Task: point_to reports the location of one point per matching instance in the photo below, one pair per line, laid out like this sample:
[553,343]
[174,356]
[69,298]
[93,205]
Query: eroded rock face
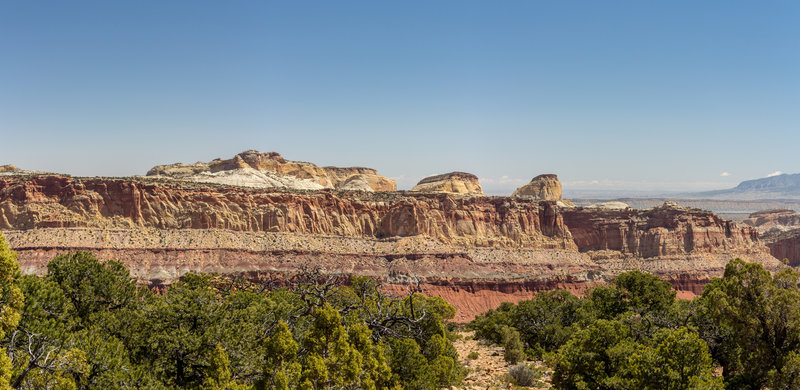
[661,231]
[784,245]
[776,221]
[474,251]
[269,170]
[454,183]
[64,202]
[542,187]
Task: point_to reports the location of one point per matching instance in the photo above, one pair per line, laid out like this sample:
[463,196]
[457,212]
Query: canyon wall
[63,202]
[475,251]
[661,231]
[786,245]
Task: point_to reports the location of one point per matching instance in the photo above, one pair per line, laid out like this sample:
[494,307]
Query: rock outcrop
[779,229]
[453,183]
[785,245]
[777,220]
[542,187]
[661,231]
[270,170]
[473,250]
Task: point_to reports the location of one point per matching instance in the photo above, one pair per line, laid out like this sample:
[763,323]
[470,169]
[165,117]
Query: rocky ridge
[475,251]
[270,170]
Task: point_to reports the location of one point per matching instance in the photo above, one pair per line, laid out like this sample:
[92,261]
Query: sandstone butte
[542,187]
[453,183]
[474,251]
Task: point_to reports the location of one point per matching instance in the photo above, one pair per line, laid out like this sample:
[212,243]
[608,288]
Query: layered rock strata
[453,183]
[475,251]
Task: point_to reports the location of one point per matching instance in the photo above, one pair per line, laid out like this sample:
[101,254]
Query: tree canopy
[87,325]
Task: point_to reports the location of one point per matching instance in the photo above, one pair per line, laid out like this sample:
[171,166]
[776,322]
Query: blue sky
[608,95]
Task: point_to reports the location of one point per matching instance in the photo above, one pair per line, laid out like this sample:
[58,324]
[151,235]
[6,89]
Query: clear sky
[671,95]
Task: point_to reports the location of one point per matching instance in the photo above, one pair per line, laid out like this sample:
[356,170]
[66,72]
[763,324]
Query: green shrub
[546,322]
[472,355]
[514,351]
[487,326]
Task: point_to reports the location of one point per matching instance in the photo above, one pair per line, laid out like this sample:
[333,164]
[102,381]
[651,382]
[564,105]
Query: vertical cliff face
[785,245]
[661,231]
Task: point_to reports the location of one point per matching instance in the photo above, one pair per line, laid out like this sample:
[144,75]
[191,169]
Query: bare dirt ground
[489,370]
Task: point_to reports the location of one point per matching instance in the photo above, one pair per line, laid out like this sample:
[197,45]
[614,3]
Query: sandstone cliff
[784,245]
[454,183]
[57,201]
[660,231]
[473,250]
[270,170]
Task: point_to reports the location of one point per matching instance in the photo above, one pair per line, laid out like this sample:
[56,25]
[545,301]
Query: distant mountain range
[785,186]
